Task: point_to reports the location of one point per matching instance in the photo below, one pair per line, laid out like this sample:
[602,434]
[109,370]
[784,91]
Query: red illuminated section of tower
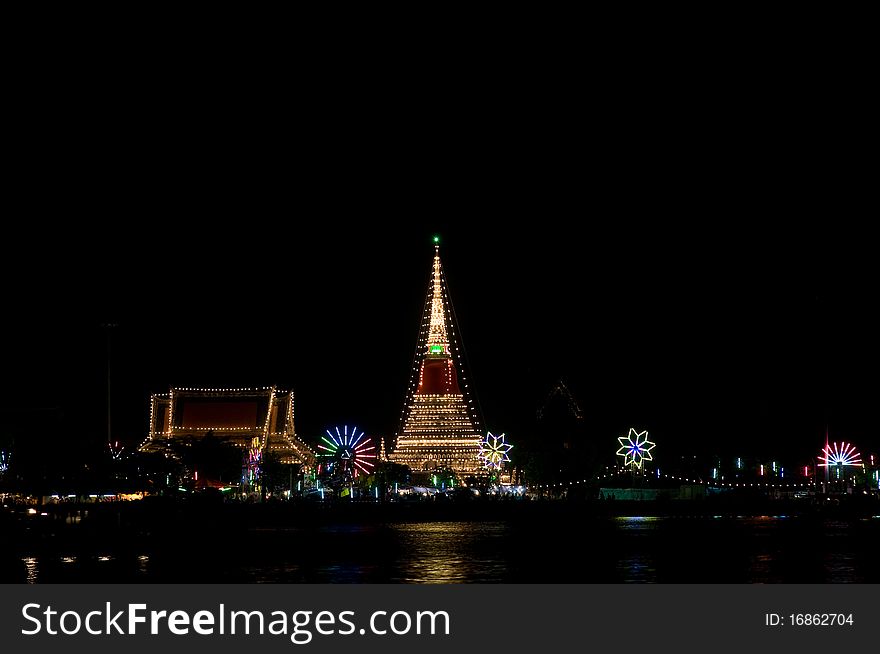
[439,423]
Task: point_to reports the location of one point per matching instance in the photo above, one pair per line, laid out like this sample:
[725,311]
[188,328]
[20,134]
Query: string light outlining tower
[440,423]
[494,451]
[635,448]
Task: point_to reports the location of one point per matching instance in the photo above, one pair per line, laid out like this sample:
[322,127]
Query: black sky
[723,328]
[697,271]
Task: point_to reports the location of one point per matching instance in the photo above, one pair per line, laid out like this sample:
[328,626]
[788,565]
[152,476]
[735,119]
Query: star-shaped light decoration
[635,448]
[493,451]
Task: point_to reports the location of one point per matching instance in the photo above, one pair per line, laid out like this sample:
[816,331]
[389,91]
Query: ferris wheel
[347,454]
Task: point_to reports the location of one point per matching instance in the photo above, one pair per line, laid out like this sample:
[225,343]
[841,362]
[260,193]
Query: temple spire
[439,425]
[438,338]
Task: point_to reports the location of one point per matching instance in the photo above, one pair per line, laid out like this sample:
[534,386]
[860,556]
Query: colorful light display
[635,448]
[835,455]
[254,463]
[348,454]
[494,451]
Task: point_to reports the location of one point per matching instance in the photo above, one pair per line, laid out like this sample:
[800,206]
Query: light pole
[109,327]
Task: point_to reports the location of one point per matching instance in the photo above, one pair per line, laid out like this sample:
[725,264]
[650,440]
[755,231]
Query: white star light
[635,448]
[493,451]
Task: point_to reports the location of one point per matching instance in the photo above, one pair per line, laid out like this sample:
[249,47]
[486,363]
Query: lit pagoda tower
[439,424]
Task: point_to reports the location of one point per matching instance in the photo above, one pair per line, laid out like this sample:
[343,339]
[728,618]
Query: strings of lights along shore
[834,456]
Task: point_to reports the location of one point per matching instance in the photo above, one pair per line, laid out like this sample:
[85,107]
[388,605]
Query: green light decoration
[635,448]
[436,239]
[436,349]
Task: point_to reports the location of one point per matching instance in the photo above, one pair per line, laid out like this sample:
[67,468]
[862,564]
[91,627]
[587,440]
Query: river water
[720,549]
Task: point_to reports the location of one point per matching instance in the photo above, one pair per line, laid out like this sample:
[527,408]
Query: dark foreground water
[566,548]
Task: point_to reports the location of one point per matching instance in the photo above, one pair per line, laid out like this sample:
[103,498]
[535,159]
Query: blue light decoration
[635,448]
[494,451]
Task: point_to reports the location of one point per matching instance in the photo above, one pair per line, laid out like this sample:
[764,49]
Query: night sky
[691,289]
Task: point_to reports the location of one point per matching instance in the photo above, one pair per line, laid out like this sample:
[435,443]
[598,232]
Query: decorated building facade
[246,417]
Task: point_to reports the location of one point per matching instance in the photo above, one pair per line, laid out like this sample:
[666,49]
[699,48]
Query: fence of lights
[494,451]
[350,451]
[635,449]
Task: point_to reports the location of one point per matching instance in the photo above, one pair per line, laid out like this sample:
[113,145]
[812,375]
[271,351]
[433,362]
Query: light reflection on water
[635,523]
[637,549]
[840,567]
[450,552]
[32,569]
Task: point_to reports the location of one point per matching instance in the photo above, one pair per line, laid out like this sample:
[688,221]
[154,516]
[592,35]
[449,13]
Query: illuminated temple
[238,415]
[439,423]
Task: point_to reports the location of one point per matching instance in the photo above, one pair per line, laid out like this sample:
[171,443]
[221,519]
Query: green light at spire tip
[436,239]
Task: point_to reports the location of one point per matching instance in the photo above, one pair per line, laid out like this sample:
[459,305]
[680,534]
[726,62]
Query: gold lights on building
[439,422]
[240,415]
